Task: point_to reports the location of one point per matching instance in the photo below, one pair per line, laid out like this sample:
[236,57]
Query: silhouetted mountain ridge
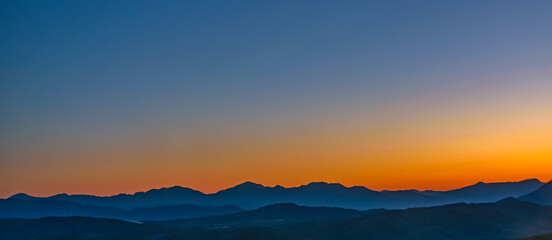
[249,195]
[490,192]
[23,196]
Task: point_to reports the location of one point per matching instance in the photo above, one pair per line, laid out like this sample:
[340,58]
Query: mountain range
[326,211]
[250,195]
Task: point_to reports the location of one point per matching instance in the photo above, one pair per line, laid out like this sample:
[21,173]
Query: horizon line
[274,186]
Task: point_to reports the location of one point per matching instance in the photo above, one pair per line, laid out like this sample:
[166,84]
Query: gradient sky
[103,97]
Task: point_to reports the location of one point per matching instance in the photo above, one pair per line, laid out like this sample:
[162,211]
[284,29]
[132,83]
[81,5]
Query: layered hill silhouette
[542,196]
[38,208]
[504,220]
[152,198]
[250,195]
[75,228]
[271,216]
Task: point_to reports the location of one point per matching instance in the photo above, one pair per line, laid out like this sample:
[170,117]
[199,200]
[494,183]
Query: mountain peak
[532,180]
[249,184]
[23,196]
[60,195]
[175,188]
[169,190]
[323,185]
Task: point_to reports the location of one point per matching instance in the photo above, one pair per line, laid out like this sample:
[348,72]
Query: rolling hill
[504,220]
[76,228]
[270,216]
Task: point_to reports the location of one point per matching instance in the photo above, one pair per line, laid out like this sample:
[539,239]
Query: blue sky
[80,70]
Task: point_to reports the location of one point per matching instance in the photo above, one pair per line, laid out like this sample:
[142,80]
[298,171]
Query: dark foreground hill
[201,228]
[18,208]
[539,237]
[508,219]
[250,195]
[504,220]
[76,228]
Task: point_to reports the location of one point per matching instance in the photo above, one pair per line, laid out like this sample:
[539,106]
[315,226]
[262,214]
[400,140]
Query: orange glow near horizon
[433,142]
[102,98]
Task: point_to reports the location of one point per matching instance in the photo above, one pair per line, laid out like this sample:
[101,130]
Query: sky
[104,97]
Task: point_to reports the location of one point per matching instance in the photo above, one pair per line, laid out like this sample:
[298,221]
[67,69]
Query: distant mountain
[272,215]
[18,208]
[489,192]
[542,196]
[250,195]
[152,198]
[505,220]
[23,196]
